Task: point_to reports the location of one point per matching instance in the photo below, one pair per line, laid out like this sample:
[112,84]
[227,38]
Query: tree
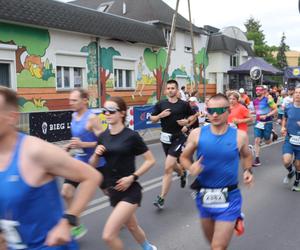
[281,57]
[156,63]
[201,61]
[255,33]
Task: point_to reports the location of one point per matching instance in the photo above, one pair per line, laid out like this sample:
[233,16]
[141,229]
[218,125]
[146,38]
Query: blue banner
[141,118]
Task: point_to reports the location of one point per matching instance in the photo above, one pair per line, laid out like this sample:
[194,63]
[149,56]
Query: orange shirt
[239,112]
[245,99]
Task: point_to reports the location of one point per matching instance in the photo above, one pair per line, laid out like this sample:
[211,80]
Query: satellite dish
[255,73]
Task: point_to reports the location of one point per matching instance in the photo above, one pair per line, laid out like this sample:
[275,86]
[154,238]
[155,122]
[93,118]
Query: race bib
[165,137]
[260,125]
[233,125]
[215,198]
[11,234]
[295,140]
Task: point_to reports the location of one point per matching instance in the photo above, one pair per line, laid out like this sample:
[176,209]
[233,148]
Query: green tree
[255,33]
[156,63]
[281,57]
[201,60]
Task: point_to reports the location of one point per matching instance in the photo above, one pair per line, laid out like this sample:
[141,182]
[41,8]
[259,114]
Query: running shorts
[288,148]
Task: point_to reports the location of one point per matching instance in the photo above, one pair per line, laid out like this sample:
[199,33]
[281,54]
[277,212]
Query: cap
[193,99]
[265,87]
[241,90]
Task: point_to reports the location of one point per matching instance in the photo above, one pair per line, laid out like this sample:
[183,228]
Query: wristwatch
[135,177]
[72,219]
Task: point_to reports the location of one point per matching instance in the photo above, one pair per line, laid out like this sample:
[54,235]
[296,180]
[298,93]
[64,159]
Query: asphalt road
[271,209]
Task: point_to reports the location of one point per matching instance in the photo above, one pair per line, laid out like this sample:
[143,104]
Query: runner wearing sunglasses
[120,145]
[219,148]
[174,114]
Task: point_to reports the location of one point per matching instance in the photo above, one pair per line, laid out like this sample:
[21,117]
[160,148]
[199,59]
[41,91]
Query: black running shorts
[176,146]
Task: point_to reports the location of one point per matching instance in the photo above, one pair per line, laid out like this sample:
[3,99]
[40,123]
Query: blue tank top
[292,114]
[78,129]
[28,213]
[220,158]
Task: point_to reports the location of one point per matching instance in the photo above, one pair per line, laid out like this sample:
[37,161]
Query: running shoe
[296,187]
[159,202]
[78,232]
[239,227]
[256,162]
[152,247]
[183,179]
[288,178]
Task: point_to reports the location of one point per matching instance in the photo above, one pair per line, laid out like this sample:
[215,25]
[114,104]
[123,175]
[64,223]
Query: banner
[141,118]
[51,126]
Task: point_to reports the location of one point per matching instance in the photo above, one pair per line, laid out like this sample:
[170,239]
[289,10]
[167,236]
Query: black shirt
[179,110]
[120,153]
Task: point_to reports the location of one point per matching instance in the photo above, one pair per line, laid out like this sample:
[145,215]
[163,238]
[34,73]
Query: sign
[51,126]
[255,73]
[141,118]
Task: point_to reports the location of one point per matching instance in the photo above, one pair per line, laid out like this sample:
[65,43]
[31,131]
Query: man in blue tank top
[85,127]
[28,167]
[290,128]
[219,148]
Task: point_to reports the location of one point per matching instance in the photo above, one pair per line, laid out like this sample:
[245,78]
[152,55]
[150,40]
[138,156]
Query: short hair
[183,87]
[82,92]
[121,105]
[172,81]
[10,97]
[235,94]
[219,96]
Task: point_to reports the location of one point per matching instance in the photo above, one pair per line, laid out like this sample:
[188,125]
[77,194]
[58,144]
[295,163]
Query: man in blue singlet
[219,148]
[290,128]
[31,210]
[85,127]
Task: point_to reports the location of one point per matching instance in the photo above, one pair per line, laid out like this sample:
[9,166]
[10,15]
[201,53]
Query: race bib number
[260,125]
[165,137]
[214,197]
[295,140]
[233,125]
[11,234]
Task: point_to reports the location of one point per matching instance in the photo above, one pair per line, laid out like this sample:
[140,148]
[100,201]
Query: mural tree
[91,61]
[201,61]
[156,63]
[106,68]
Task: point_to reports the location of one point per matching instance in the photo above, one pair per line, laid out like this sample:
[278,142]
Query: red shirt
[239,112]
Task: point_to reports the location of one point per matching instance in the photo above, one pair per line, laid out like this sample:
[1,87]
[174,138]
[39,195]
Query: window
[5,75]
[234,60]
[187,43]
[69,77]
[123,78]
[167,34]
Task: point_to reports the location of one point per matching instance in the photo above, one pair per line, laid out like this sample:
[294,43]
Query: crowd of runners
[190,133]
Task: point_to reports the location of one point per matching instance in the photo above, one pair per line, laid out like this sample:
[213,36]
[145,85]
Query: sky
[275,16]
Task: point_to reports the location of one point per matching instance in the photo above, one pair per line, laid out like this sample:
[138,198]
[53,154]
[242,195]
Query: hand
[248,178]
[196,168]
[236,121]
[183,122]
[283,131]
[75,143]
[59,234]
[184,129]
[2,242]
[67,147]
[124,183]
[100,149]
[165,113]
[263,117]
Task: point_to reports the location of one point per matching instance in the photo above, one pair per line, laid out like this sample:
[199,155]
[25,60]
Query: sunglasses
[218,111]
[110,110]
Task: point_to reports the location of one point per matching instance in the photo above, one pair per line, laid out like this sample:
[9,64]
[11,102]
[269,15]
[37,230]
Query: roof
[58,15]
[220,42]
[266,68]
[142,10]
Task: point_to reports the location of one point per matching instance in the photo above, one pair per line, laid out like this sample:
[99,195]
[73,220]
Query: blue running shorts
[288,148]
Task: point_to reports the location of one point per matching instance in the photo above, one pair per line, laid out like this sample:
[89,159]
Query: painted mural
[201,60]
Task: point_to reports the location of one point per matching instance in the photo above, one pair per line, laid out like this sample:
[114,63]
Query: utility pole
[193,47]
[169,49]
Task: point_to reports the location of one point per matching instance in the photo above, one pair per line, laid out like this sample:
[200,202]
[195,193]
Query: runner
[265,108]
[85,128]
[119,145]
[174,114]
[288,99]
[31,210]
[218,199]
[291,147]
[244,99]
[239,115]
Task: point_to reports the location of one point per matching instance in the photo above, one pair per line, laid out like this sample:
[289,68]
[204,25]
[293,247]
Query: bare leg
[67,193]
[208,227]
[167,178]
[119,216]
[257,146]
[136,231]
[222,235]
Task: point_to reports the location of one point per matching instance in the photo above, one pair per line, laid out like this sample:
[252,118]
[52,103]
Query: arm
[187,154]
[125,182]
[283,126]
[94,160]
[246,157]
[164,113]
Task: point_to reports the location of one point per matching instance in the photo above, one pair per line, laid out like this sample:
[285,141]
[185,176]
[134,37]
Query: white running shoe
[288,178]
[153,247]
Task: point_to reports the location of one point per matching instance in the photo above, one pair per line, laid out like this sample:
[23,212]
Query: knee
[218,246]
[132,227]
[66,193]
[257,141]
[108,238]
[168,169]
